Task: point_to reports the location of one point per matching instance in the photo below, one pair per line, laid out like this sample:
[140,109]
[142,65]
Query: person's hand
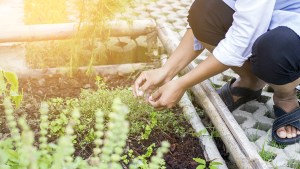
[167,95]
[149,81]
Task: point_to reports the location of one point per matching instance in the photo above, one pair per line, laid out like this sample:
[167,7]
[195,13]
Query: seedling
[206,164]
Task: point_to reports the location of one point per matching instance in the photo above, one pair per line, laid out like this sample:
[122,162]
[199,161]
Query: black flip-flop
[226,93]
[284,119]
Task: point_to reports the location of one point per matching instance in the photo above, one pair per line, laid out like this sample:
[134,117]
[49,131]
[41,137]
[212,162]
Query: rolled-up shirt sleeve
[250,20]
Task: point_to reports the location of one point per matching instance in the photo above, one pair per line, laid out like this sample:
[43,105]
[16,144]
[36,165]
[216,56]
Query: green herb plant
[200,133]
[149,127]
[213,132]
[141,159]
[157,161]
[9,87]
[19,150]
[206,164]
[143,118]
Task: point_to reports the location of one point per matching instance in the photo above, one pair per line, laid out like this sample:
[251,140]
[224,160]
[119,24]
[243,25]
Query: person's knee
[195,16]
[210,20]
[272,56]
[269,46]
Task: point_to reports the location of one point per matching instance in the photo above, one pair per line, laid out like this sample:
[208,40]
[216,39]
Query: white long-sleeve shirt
[251,19]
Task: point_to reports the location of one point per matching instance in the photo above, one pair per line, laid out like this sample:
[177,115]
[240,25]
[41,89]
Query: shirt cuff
[226,57]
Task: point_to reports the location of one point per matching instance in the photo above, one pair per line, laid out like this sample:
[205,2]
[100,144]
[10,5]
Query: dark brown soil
[182,150]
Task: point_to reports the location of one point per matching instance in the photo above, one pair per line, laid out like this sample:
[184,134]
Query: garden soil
[182,150]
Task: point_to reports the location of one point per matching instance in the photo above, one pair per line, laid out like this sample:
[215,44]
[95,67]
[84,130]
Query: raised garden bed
[184,146]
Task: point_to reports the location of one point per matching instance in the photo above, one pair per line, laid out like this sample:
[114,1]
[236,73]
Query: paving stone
[280,161]
[254,134]
[293,151]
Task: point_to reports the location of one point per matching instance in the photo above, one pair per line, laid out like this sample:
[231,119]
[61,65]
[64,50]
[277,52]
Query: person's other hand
[149,81]
[167,95]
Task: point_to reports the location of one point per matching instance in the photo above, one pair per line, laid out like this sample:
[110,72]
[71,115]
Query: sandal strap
[278,111]
[241,91]
[292,118]
[225,93]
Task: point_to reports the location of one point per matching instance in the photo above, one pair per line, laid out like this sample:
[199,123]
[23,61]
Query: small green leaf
[17,100]
[213,167]
[201,167]
[199,160]
[216,163]
[12,79]
[2,166]
[3,157]
[2,83]
[55,128]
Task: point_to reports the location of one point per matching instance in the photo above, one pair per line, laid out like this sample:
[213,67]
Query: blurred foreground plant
[9,87]
[19,152]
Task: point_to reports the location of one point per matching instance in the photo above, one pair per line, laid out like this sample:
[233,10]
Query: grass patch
[273,143]
[267,155]
[294,164]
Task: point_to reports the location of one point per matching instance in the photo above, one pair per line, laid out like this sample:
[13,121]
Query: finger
[146,87]
[170,106]
[133,91]
[155,104]
[154,99]
[139,81]
[146,97]
[160,108]
[155,96]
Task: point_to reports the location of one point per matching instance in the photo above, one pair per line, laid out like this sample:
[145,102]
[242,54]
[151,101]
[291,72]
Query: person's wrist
[169,72]
[183,84]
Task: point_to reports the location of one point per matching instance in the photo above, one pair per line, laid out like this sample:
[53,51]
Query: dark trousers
[275,54]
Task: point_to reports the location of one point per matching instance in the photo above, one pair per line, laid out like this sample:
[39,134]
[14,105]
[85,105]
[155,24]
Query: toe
[281,132]
[288,131]
[298,132]
[294,131]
